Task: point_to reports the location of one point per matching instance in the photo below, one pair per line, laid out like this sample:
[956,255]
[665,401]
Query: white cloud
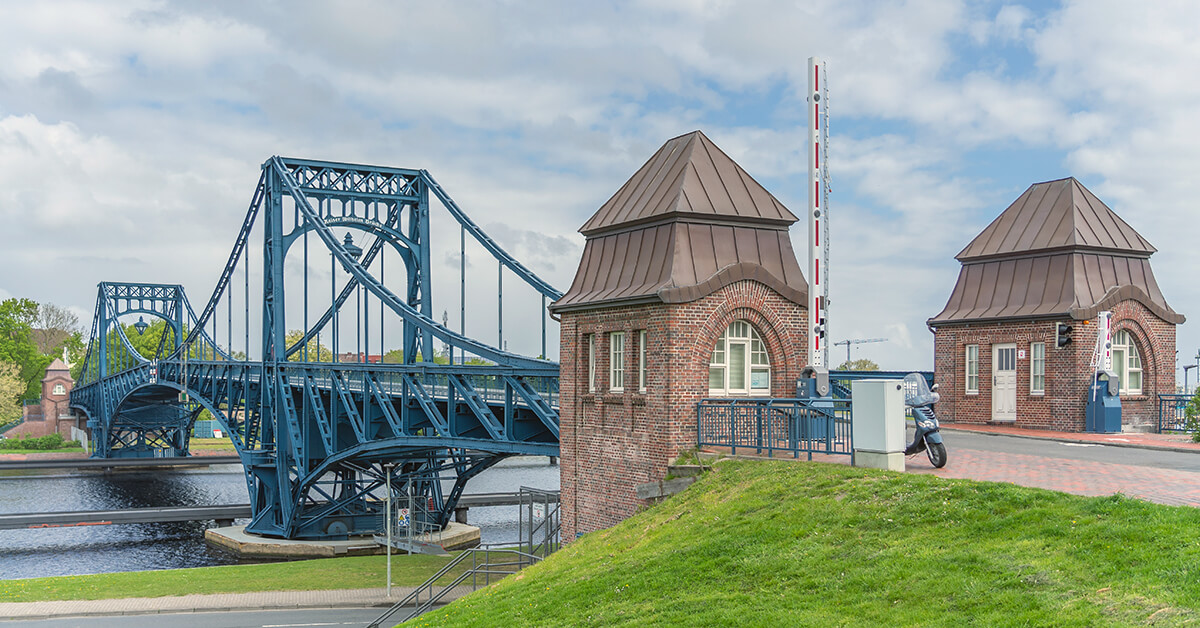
[131,132]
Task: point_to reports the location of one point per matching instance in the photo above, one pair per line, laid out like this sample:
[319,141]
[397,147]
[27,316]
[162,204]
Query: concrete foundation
[891,461]
[235,539]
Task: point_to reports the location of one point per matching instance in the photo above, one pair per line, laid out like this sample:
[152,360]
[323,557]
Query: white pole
[387,469]
[816,312]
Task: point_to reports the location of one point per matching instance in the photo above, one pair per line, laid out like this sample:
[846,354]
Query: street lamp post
[387,470]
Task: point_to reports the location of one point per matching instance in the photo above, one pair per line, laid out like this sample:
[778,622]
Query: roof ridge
[1089,224]
[715,186]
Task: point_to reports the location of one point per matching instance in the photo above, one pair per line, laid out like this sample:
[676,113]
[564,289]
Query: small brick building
[688,288]
[51,413]
[1057,255]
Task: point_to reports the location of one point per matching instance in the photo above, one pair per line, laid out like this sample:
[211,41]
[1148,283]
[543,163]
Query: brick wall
[611,442]
[1068,370]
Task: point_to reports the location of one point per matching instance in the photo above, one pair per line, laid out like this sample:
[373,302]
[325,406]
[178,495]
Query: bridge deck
[188,513]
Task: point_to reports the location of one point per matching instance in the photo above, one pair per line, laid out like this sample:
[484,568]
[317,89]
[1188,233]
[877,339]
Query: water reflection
[137,547]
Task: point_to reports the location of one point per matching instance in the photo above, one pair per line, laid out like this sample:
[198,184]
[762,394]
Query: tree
[18,347]
[11,390]
[396,356]
[317,352]
[53,328]
[861,364]
[147,342]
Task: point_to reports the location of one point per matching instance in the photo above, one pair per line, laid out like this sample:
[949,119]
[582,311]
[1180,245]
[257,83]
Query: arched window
[1127,363]
[59,390]
[739,363]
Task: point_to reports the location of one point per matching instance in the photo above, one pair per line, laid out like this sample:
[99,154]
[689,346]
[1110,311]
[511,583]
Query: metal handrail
[1175,403]
[476,569]
[773,425]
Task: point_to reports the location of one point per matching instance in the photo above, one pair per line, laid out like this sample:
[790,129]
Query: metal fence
[1171,417]
[540,527]
[775,426]
[840,380]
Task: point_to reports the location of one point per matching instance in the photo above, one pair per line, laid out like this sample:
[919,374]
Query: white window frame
[591,358]
[1037,368]
[972,369]
[616,361]
[1129,354]
[740,333]
[642,361]
[59,389]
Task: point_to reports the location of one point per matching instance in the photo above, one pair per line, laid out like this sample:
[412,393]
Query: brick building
[51,413]
[688,288]
[1057,255]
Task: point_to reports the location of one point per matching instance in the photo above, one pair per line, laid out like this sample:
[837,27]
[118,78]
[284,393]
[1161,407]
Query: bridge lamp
[353,250]
[141,325]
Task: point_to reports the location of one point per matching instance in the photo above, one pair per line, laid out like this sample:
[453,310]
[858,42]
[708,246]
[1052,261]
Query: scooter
[919,397]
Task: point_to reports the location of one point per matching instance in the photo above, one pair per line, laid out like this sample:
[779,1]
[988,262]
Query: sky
[132,132]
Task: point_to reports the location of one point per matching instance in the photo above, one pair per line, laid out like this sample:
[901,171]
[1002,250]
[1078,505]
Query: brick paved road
[1080,477]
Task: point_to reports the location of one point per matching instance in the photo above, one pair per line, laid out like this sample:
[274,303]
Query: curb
[1182,450]
[80,608]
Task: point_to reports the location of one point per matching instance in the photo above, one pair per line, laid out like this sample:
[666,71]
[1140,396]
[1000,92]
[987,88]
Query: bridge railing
[1171,413]
[770,426]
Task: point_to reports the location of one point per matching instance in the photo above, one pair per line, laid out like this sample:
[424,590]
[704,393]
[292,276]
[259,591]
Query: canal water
[140,547]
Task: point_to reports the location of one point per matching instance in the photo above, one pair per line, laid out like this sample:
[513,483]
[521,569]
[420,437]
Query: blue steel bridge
[319,437]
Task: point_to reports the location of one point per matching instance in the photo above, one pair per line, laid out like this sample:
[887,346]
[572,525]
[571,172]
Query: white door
[1004,382]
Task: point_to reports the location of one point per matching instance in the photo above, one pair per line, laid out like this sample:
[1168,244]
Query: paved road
[1162,459]
[298,618]
[1159,476]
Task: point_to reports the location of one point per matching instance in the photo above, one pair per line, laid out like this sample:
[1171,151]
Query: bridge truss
[318,435]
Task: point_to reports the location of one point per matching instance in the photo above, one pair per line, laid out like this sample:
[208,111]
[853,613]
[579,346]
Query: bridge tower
[126,423]
[688,288]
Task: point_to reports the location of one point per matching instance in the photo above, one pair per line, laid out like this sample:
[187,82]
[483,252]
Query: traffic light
[1062,335]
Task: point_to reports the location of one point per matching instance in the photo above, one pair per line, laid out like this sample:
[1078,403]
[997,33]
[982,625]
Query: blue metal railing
[1171,416]
[840,380]
[769,426]
[8,426]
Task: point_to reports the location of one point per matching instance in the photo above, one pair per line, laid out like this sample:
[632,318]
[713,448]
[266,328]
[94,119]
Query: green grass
[211,444]
[794,544]
[76,449]
[354,572]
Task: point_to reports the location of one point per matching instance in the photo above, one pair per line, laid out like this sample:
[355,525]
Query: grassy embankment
[211,444]
[785,544]
[354,572]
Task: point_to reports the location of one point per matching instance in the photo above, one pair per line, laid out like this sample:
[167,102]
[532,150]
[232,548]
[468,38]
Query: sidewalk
[265,600]
[1168,442]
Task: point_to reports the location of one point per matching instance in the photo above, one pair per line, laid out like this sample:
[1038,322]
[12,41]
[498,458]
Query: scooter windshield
[916,390]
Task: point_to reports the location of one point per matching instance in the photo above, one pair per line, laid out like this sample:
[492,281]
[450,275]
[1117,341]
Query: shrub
[1192,417]
[48,442]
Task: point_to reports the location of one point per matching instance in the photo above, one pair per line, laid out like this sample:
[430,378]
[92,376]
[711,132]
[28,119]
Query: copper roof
[689,176]
[1060,214]
[689,222]
[1078,285]
[1057,251]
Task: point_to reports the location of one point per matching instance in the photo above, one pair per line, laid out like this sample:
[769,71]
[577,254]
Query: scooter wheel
[937,454]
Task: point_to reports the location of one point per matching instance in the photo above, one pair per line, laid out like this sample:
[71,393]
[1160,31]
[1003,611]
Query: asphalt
[1082,477]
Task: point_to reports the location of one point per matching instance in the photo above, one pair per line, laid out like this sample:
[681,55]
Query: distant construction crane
[857,341]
